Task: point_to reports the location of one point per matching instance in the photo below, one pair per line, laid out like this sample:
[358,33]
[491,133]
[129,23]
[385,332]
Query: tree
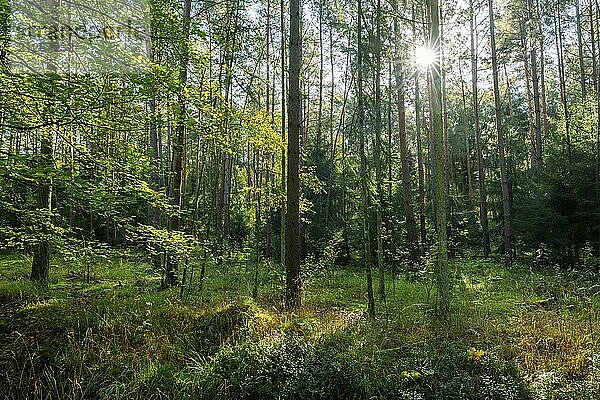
[378,164]
[40,263]
[435,76]
[483,211]
[292,237]
[501,155]
[409,215]
[363,169]
[177,180]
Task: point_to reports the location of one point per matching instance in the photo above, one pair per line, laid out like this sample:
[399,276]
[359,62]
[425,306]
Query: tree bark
[580,50]
[409,215]
[442,274]
[502,160]
[292,256]
[283,138]
[378,166]
[363,171]
[40,265]
[537,145]
[420,168]
[561,75]
[483,210]
[177,180]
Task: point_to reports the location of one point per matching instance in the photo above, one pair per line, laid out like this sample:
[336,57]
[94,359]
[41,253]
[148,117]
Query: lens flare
[424,57]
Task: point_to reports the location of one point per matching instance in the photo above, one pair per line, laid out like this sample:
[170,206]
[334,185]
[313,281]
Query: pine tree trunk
[467,139]
[378,166]
[536,91]
[177,180]
[580,50]
[292,256]
[483,210]
[561,75]
[442,274]
[420,167]
[320,111]
[283,138]
[409,215]
[545,126]
[363,171]
[502,160]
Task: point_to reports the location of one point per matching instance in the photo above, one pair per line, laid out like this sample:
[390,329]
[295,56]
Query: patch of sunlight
[40,304]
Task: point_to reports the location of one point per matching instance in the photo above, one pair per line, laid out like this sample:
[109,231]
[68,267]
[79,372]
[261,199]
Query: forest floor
[513,334]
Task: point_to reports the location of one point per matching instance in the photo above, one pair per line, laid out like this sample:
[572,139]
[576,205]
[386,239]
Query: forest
[285,199]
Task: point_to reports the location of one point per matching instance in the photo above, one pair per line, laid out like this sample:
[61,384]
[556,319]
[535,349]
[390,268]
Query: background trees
[188,154]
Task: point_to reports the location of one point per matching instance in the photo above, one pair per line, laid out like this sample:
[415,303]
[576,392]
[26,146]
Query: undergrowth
[518,334]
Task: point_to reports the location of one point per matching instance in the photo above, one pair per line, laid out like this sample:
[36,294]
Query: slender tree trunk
[502,160]
[321,62]
[597,81]
[390,160]
[561,75]
[177,180]
[420,168]
[40,265]
[442,274]
[467,138]
[268,110]
[447,160]
[537,146]
[332,141]
[378,165]
[545,126]
[409,215]
[155,154]
[283,138]
[530,107]
[483,211]
[580,50]
[292,256]
[344,207]
[363,171]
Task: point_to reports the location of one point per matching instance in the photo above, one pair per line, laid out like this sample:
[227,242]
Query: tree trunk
[420,168]
[502,160]
[378,166]
[363,171]
[597,83]
[40,265]
[467,138]
[580,50]
[409,215]
[320,112]
[561,75]
[292,256]
[530,107]
[545,126]
[537,145]
[483,212]
[283,138]
[442,274]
